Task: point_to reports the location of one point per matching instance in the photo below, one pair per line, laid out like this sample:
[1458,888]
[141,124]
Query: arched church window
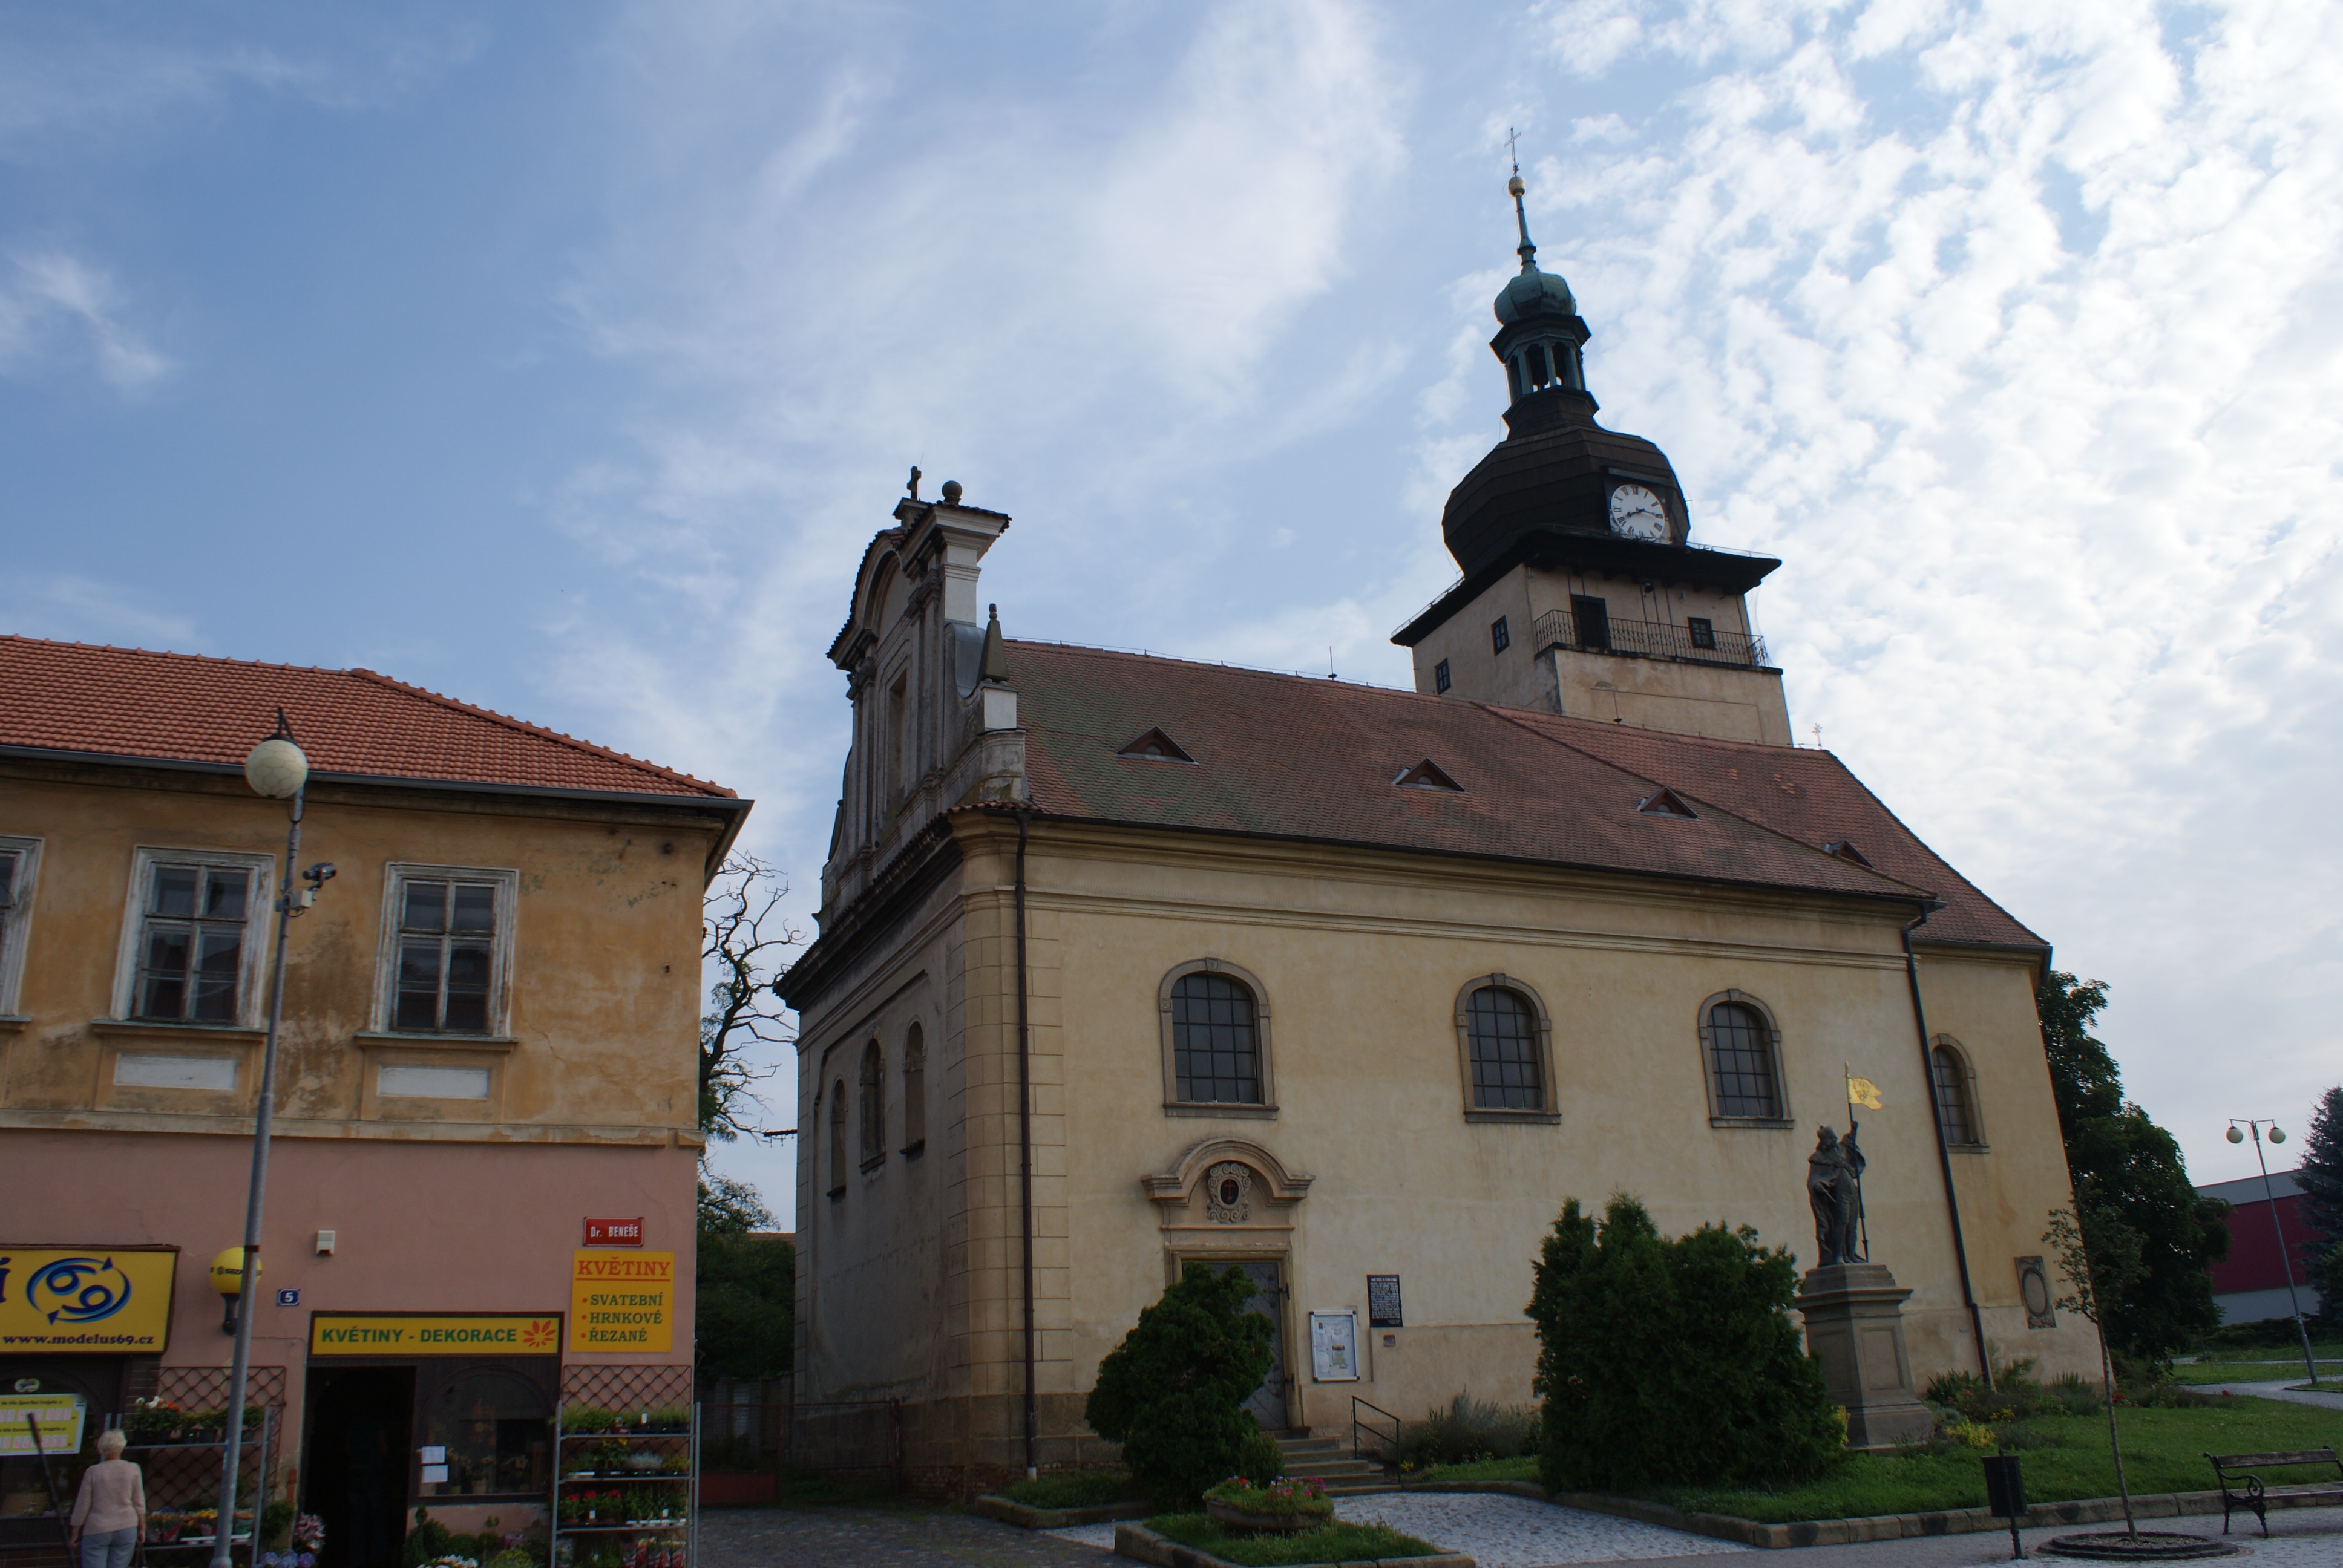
[874,1105]
[915,1090]
[838,1138]
[1216,1057]
[1502,1038]
[1744,1051]
[1504,1048]
[1949,1071]
[1216,1054]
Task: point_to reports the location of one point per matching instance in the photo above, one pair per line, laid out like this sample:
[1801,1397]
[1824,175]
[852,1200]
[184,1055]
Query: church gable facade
[1127,961]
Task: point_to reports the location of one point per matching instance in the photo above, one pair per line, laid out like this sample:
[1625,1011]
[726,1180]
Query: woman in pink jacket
[111,1512]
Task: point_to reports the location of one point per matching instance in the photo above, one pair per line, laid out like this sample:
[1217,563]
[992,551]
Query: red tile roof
[184,707]
[1296,756]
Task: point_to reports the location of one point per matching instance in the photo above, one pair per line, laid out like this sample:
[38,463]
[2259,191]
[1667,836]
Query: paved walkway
[879,1538]
[909,1538]
[1500,1531]
[2292,1392]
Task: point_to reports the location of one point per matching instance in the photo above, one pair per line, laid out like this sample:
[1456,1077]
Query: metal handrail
[1653,640]
[1359,1425]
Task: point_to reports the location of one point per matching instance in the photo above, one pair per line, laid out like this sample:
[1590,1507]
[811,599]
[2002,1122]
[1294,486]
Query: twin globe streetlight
[2240,1129]
[278,770]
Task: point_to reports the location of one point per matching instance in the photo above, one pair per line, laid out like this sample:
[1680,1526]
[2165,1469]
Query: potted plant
[1284,1503]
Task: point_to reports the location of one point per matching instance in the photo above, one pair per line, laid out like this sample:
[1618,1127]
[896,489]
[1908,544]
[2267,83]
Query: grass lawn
[1078,1489]
[2164,1451]
[1335,1542]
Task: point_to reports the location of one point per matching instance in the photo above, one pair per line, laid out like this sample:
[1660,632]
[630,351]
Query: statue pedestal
[1855,1327]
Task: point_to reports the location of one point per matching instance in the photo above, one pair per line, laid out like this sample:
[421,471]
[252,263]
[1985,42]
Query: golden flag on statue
[1862,1092]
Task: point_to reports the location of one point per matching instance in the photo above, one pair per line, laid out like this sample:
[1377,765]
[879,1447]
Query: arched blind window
[915,1090]
[838,1136]
[1953,1112]
[1503,1035]
[874,1104]
[1741,1055]
[1215,1048]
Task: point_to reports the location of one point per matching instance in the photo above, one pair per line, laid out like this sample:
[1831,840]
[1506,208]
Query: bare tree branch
[743,935]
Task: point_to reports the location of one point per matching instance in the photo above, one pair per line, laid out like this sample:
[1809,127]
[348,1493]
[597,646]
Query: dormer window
[1666,803]
[1845,850]
[1156,747]
[1427,775]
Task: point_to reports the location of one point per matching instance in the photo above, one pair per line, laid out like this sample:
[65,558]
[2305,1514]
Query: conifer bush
[1672,1362]
[1173,1392]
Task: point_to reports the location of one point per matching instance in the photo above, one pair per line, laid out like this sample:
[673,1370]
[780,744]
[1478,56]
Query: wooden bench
[2257,1497]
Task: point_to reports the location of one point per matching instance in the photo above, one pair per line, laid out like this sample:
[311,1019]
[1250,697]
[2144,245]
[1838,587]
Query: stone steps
[1326,1459]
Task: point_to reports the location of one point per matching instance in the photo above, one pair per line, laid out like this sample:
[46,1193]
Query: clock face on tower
[1638,514]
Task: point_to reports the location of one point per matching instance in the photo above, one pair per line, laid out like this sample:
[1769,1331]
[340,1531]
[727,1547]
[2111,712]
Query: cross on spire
[1512,152]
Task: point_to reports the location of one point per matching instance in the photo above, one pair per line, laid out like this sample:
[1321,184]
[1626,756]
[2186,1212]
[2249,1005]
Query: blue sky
[563,358]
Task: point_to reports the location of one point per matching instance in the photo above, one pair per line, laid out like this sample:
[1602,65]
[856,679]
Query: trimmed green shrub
[1173,1393]
[1260,1461]
[1673,1361]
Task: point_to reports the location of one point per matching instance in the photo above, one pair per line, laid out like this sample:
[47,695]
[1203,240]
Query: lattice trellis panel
[205,1388]
[626,1388]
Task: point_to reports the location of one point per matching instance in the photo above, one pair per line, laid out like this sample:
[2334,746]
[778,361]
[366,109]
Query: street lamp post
[2253,1127]
[277,769]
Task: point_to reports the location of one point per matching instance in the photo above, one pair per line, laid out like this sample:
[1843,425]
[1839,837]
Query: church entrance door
[1268,1400]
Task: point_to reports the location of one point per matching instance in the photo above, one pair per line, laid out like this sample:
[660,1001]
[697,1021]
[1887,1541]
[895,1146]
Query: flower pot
[1245,1518]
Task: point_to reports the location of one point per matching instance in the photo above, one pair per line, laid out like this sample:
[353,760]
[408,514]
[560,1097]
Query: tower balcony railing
[1649,640]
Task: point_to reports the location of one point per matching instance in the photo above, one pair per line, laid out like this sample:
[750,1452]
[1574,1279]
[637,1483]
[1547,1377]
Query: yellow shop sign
[86,1300]
[434,1334]
[622,1301]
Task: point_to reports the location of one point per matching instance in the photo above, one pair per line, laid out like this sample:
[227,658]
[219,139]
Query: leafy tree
[1666,1361]
[2321,1177]
[742,932]
[2130,1182]
[746,1322]
[1173,1392]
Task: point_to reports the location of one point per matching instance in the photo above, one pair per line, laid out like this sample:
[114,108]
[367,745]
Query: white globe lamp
[276,768]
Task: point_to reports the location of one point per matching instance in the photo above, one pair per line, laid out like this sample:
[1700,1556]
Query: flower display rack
[182,1466]
[626,1482]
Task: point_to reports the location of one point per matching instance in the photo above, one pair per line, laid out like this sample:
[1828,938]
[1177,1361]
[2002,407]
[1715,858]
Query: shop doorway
[354,1475]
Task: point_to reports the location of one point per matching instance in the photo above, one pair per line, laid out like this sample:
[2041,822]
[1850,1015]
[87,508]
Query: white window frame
[396,876]
[250,1012]
[17,918]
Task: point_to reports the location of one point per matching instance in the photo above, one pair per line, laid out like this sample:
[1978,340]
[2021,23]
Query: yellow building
[490,1017]
[1127,961]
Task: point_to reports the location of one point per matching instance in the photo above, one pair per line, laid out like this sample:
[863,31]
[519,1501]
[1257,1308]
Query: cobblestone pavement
[2300,1538]
[879,1538]
[1500,1531]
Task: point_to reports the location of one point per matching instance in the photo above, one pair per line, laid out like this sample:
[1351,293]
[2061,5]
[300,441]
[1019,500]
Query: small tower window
[1500,637]
[1703,631]
[1439,676]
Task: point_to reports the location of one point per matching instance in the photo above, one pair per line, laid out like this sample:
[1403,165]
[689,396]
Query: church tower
[1582,591]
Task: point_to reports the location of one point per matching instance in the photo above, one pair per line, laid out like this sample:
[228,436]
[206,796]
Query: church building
[1127,960]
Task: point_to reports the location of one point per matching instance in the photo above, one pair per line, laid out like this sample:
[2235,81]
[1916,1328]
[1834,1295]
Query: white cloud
[2023,355]
[56,307]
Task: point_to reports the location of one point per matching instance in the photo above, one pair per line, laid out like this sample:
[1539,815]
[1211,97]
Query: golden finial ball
[1514,186]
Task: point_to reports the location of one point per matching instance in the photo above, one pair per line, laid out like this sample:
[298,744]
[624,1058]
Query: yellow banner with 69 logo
[86,1300]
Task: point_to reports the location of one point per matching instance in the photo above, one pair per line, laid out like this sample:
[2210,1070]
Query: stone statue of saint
[1835,1189]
